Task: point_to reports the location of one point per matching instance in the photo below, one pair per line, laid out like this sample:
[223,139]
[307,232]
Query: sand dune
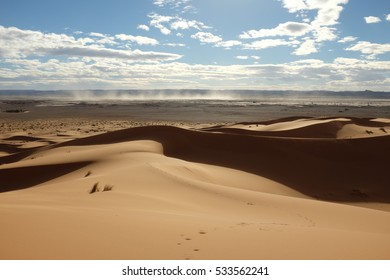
[343,128]
[297,188]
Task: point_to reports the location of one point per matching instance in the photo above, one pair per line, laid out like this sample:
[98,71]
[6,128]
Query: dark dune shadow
[25,177]
[17,154]
[24,138]
[9,149]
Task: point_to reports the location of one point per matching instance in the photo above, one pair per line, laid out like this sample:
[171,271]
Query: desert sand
[292,188]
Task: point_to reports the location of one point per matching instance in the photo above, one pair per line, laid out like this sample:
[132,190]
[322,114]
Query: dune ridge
[296,188]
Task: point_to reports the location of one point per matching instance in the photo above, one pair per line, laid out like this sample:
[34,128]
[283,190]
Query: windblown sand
[293,188]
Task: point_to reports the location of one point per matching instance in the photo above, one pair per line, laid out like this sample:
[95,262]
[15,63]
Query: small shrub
[95,188]
[107,188]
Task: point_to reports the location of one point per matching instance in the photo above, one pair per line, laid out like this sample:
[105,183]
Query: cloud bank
[18,43]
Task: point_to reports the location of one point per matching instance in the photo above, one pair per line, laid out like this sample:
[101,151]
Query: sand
[292,188]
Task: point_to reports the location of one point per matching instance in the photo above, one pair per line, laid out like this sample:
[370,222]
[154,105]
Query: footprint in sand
[185,245]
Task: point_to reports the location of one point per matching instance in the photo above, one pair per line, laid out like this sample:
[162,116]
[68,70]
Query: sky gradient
[195,44]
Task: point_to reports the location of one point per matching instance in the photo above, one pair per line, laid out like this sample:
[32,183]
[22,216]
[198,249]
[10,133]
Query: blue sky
[206,44]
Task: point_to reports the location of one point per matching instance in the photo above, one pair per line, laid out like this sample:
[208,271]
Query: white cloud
[269,43]
[157,22]
[294,6]
[182,5]
[86,40]
[388,17]
[347,39]
[324,33]
[140,40]
[160,3]
[347,61]
[328,10]
[107,41]
[96,34]
[100,39]
[217,41]
[206,37]
[245,57]
[308,62]
[371,19]
[228,44]
[284,29]
[183,24]
[371,49]
[329,15]
[166,23]
[307,47]
[175,44]
[18,43]
[143,27]
[318,30]
[172,3]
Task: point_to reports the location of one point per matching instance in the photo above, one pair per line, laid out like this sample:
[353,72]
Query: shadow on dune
[325,130]
[24,138]
[24,177]
[9,148]
[329,169]
[16,151]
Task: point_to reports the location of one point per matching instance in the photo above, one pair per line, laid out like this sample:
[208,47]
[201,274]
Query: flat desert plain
[291,188]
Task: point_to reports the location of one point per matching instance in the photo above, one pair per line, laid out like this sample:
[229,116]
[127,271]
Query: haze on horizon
[204,44]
